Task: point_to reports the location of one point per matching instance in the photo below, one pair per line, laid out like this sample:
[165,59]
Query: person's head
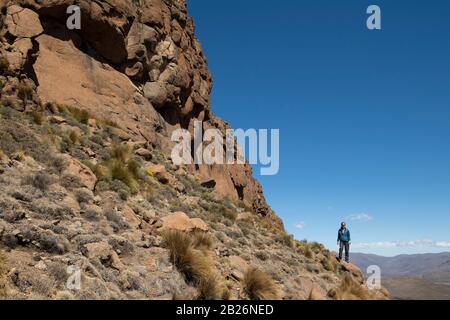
[343,225]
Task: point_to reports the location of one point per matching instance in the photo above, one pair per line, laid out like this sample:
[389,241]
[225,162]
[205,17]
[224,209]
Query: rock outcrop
[135,63]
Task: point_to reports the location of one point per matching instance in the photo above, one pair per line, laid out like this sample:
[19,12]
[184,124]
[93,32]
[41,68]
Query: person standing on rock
[344,242]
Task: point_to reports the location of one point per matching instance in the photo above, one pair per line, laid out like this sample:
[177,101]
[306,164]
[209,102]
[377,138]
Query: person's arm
[349,238]
[339,236]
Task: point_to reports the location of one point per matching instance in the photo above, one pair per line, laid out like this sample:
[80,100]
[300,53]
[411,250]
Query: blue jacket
[344,235]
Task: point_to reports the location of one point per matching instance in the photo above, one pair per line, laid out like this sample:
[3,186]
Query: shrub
[287,240]
[40,180]
[24,92]
[119,168]
[57,164]
[262,255]
[38,117]
[120,171]
[81,116]
[308,253]
[108,123]
[260,286]
[74,137]
[328,264]
[52,243]
[317,247]
[219,209]
[120,152]
[58,271]
[8,102]
[116,220]
[4,65]
[83,196]
[70,181]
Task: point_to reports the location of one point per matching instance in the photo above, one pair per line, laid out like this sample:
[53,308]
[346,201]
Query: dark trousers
[344,245]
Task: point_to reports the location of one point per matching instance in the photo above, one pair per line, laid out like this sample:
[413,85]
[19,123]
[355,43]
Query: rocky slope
[87,184]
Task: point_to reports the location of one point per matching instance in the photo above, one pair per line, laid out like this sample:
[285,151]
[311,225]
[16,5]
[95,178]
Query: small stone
[41,265]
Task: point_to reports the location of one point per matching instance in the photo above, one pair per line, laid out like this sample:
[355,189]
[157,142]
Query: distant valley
[417,277]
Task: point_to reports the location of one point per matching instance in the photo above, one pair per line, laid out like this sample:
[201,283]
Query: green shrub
[74,137]
[120,152]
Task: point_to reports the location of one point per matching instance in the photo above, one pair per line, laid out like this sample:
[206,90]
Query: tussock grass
[3,272]
[82,116]
[312,295]
[74,137]
[202,241]
[120,167]
[24,92]
[120,152]
[351,290]
[259,285]
[189,255]
[38,117]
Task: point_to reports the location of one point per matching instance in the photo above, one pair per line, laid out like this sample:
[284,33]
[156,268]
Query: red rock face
[137,63]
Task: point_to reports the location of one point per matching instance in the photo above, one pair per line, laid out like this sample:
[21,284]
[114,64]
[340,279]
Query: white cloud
[443,244]
[360,217]
[403,244]
[301,225]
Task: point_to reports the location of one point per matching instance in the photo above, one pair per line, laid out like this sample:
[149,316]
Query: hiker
[344,241]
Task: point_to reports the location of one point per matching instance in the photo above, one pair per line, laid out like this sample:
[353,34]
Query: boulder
[76,168]
[97,250]
[159,172]
[353,270]
[199,224]
[130,217]
[23,23]
[144,153]
[238,267]
[181,222]
[156,93]
[176,221]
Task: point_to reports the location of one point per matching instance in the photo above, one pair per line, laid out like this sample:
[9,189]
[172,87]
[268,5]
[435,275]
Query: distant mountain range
[418,276]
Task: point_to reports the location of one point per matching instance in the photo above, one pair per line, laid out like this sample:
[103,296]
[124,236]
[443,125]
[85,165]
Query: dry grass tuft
[38,117]
[202,241]
[120,152]
[3,272]
[195,265]
[260,286]
[24,92]
[351,290]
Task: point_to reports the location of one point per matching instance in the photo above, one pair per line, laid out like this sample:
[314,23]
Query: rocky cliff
[86,179]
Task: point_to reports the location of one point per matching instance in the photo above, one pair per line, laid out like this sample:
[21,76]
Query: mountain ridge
[88,188]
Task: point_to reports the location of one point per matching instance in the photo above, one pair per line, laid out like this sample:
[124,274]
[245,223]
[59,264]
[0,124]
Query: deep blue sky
[363,115]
